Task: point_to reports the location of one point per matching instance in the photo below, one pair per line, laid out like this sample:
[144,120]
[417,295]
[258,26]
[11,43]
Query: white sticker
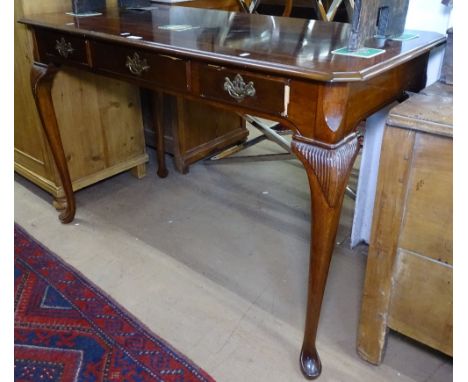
[178,28]
[88,14]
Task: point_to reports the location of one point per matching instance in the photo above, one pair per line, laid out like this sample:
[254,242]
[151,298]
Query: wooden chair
[327,12]
[252,6]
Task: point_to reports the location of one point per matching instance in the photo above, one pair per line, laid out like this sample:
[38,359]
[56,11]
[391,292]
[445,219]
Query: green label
[404,37]
[362,52]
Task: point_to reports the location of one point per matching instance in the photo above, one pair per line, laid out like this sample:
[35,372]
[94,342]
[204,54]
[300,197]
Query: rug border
[130,316]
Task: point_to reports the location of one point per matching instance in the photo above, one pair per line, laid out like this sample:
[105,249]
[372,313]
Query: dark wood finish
[297,49]
[194,130]
[47,47]
[328,170]
[269,91]
[321,95]
[112,59]
[157,114]
[42,77]
[227,5]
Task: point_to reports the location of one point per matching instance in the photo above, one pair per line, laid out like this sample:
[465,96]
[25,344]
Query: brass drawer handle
[63,48]
[238,89]
[137,65]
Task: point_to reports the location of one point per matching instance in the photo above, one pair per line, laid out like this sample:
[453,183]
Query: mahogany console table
[274,67]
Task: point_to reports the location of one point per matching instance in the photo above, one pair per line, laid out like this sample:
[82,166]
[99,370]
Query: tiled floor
[216,263]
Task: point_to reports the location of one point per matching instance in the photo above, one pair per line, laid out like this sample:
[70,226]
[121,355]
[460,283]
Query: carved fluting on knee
[330,165]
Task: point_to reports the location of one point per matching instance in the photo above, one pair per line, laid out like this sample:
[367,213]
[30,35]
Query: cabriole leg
[42,77]
[328,170]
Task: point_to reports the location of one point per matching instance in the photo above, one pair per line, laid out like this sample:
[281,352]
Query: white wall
[429,15]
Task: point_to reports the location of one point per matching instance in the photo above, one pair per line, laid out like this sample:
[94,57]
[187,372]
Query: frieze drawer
[163,71]
[61,47]
[264,93]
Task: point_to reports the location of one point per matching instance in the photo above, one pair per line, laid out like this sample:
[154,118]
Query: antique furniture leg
[372,330]
[42,77]
[157,111]
[60,203]
[178,134]
[139,171]
[328,169]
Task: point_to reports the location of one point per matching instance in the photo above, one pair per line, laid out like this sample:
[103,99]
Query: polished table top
[287,46]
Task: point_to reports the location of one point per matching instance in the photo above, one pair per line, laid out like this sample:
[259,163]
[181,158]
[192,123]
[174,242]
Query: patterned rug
[66,329]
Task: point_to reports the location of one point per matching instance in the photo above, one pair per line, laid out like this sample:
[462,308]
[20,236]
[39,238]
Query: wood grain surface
[288,46]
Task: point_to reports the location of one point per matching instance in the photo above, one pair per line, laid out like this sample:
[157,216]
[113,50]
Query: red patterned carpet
[66,329]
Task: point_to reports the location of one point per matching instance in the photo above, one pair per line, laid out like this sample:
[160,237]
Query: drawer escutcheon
[63,47]
[137,65]
[238,89]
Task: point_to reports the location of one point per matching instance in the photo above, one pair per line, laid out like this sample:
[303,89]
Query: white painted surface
[430,15]
[367,183]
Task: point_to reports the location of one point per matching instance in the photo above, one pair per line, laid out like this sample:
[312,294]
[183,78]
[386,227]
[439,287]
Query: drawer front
[61,47]
[421,305]
[161,70]
[264,93]
[428,215]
